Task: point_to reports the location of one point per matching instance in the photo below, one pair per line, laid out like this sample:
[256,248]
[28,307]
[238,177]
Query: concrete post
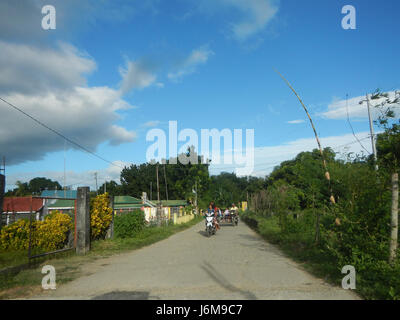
[110,231]
[2,190]
[83,221]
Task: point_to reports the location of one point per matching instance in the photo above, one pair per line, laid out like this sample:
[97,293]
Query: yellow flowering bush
[50,234]
[15,236]
[101,216]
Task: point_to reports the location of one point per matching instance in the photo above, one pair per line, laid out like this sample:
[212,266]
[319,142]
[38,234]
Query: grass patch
[13,258]
[68,265]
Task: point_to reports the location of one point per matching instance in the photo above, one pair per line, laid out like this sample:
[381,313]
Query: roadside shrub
[15,236]
[129,224]
[50,234]
[101,216]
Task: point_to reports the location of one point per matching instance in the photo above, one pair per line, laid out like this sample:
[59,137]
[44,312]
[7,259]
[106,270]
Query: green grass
[28,282]
[12,258]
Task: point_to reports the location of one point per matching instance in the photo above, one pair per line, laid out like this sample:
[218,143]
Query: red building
[15,208]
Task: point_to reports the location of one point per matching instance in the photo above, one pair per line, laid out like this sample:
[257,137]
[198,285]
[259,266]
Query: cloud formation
[337,110]
[266,158]
[27,69]
[253,16]
[50,85]
[74,179]
[295,121]
[189,64]
[256,15]
[136,75]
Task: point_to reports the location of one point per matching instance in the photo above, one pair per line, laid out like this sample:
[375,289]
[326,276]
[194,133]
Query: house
[169,207]
[174,206]
[127,203]
[16,208]
[123,204]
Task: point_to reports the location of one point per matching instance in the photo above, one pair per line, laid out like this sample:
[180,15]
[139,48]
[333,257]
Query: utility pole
[195,201]
[151,190]
[105,186]
[166,185]
[95,177]
[65,183]
[2,188]
[371,128]
[158,199]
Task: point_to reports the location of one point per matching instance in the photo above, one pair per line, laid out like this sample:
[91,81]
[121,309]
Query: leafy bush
[101,216]
[15,236]
[129,224]
[50,234]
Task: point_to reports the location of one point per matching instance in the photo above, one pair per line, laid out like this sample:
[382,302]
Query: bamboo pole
[327,175]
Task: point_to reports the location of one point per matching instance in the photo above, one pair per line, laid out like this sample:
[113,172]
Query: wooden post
[395,217]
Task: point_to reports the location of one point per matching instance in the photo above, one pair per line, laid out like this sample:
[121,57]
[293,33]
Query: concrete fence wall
[183,219]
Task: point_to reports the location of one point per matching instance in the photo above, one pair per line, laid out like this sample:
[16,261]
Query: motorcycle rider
[212,208]
[226,214]
[234,210]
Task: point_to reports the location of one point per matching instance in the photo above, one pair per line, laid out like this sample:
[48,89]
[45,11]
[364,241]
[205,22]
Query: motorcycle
[234,218]
[210,225]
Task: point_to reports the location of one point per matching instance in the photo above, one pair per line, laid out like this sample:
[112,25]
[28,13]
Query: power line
[59,134]
[348,120]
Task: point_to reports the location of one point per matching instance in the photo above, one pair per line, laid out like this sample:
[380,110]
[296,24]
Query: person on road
[226,214]
[212,208]
[234,210]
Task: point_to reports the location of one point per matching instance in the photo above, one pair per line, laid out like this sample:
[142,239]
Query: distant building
[169,207]
[16,208]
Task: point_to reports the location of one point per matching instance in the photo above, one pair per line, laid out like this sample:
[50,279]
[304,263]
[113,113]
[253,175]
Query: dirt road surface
[234,264]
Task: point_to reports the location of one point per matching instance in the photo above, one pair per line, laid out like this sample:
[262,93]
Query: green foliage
[34,186]
[129,224]
[181,179]
[112,188]
[294,208]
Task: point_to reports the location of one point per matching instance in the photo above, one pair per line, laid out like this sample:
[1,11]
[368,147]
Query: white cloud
[257,14]
[266,158]
[28,69]
[295,121]
[74,179]
[136,75]
[151,124]
[50,85]
[338,108]
[254,15]
[188,65]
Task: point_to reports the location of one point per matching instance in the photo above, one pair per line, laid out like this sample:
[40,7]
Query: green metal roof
[62,203]
[126,200]
[173,203]
[129,206]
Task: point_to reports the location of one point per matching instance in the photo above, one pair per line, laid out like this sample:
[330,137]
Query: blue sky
[206,64]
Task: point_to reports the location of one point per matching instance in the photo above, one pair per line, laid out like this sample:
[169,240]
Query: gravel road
[234,264]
